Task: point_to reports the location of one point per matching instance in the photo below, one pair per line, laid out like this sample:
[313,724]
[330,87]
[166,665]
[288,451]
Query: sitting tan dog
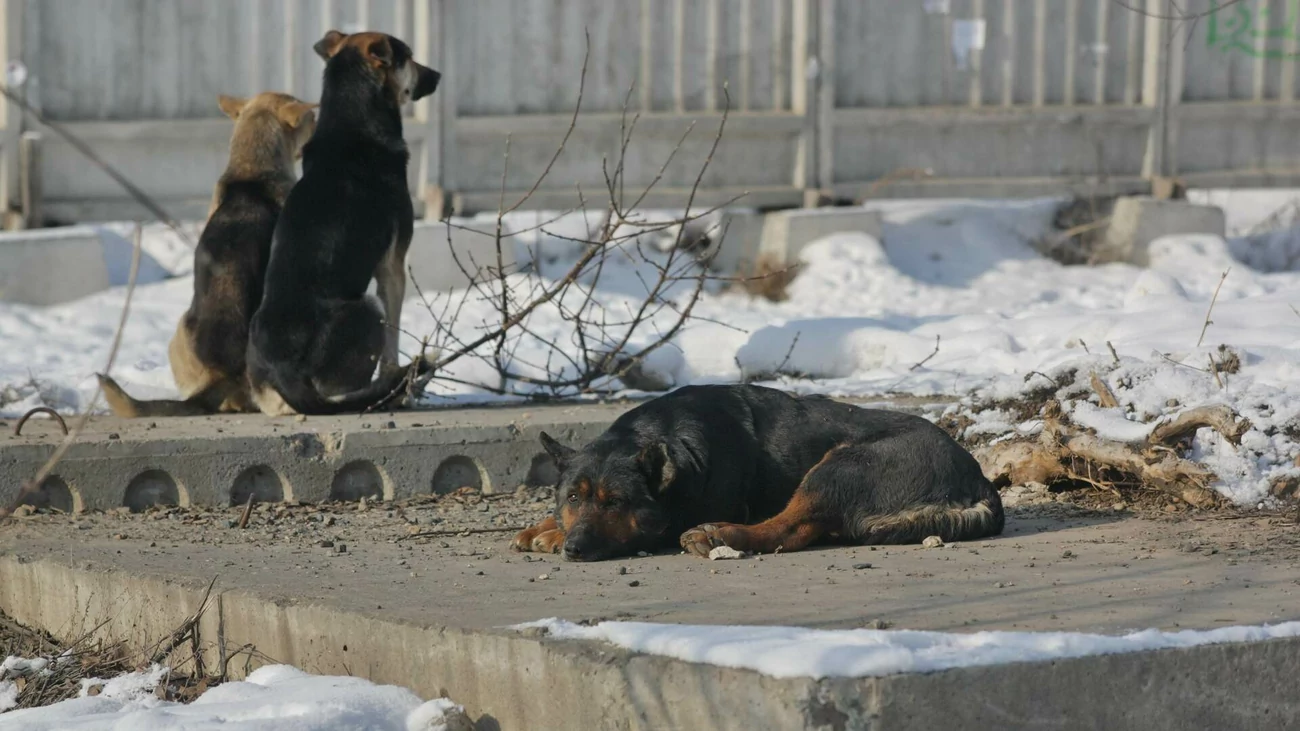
[207,353]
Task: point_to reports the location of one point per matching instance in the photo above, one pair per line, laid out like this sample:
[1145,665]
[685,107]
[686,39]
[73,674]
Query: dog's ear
[658,467]
[231,105]
[295,113]
[558,452]
[330,44]
[380,53]
[426,81]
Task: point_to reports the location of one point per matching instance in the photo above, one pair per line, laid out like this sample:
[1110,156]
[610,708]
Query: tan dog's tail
[207,401]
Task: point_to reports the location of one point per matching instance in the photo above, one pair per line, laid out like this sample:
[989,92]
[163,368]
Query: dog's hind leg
[390,277]
[810,515]
[803,521]
[190,373]
[348,346]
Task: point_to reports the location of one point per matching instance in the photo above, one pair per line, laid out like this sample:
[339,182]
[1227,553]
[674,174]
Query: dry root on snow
[1066,454]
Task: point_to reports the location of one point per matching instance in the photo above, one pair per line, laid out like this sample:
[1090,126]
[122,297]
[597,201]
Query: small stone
[114,435]
[633,583]
[390,425]
[363,505]
[153,544]
[1171,508]
[725,553]
[622,570]
[543,577]
[329,520]
[1067,554]
[861,565]
[1117,507]
[300,418]
[119,536]
[340,548]
[933,542]
[879,624]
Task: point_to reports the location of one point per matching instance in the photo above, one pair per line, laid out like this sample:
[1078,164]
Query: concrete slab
[1136,221]
[52,266]
[764,242]
[786,233]
[444,258]
[218,460]
[426,612]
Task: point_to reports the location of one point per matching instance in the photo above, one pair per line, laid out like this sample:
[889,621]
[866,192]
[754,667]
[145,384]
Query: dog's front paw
[548,542]
[524,539]
[702,539]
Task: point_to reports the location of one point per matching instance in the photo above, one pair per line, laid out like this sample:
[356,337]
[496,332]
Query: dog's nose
[578,547]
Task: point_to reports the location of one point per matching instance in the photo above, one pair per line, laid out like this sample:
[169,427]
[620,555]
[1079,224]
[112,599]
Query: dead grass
[88,659]
[768,278]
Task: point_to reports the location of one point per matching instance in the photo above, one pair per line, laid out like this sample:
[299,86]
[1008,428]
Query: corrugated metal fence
[838,98]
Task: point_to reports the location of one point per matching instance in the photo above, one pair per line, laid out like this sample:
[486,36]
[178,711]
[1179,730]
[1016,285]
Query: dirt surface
[446,561]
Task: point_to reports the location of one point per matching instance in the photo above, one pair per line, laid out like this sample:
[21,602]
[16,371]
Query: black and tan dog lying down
[759,470]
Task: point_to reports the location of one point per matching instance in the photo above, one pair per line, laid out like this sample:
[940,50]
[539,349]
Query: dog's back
[230,264]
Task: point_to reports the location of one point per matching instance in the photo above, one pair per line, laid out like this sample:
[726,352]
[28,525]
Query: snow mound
[793,652]
[272,698]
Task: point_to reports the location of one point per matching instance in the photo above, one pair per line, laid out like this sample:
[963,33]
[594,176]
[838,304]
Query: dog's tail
[949,522]
[301,394]
[206,401]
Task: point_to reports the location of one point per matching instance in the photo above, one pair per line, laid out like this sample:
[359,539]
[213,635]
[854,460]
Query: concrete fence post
[1162,82]
[805,70]
[434,47]
[11,38]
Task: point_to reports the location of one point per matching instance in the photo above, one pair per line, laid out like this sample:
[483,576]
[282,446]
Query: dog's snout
[579,546]
[426,81]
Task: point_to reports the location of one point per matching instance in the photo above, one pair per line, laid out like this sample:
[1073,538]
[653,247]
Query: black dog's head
[391,60]
[609,500]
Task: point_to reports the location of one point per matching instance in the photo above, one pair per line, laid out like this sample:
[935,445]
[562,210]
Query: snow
[8,695]
[13,667]
[860,319]
[272,698]
[793,652]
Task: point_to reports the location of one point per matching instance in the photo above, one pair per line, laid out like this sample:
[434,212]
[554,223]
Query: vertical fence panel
[836,94]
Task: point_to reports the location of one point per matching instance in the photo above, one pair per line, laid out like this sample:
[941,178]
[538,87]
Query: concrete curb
[512,681]
[220,460]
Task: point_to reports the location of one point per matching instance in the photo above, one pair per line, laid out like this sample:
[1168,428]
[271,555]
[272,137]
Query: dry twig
[1210,311]
[602,346]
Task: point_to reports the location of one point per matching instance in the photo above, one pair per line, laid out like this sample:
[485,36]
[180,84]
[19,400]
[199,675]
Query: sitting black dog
[783,471]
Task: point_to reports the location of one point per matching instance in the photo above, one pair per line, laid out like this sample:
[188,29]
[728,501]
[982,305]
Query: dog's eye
[573,497]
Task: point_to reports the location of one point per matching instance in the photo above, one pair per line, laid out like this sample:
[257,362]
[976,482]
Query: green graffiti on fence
[1237,27]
